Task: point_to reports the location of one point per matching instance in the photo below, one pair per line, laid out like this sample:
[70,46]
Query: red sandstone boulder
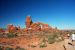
[35,27]
[12,28]
[1,30]
[28,21]
[9,27]
[38,26]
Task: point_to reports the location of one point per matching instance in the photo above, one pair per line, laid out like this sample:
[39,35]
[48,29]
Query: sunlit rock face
[1,30]
[18,29]
[34,27]
[9,27]
[37,26]
[31,27]
[12,28]
[28,21]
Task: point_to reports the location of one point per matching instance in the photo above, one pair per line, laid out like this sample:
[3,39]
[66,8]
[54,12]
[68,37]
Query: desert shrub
[33,46]
[52,38]
[9,48]
[1,35]
[11,35]
[59,39]
[1,48]
[19,48]
[22,49]
[43,43]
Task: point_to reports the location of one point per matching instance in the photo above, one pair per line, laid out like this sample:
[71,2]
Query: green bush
[19,48]
[52,38]
[9,48]
[43,45]
[1,48]
[33,46]
[22,49]
[11,35]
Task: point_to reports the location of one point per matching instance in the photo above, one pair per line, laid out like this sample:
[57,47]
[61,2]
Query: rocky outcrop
[12,28]
[37,26]
[32,34]
[1,30]
[28,21]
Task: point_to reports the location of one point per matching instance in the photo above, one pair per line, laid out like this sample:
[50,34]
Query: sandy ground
[55,46]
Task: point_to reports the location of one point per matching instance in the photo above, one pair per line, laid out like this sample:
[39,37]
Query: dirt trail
[55,46]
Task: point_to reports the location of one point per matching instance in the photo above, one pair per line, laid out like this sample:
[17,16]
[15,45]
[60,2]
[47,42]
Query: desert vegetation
[34,35]
[11,48]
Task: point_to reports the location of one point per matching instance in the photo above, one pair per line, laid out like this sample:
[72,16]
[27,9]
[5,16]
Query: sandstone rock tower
[28,21]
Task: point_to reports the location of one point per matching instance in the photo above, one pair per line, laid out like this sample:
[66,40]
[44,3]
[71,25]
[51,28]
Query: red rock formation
[1,30]
[12,28]
[36,26]
[28,21]
[18,29]
[9,27]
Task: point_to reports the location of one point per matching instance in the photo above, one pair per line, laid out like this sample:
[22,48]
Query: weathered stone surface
[35,26]
[9,27]
[12,28]
[1,30]
[38,26]
[28,21]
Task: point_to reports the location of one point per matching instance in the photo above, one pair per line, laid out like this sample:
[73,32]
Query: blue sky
[56,13]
